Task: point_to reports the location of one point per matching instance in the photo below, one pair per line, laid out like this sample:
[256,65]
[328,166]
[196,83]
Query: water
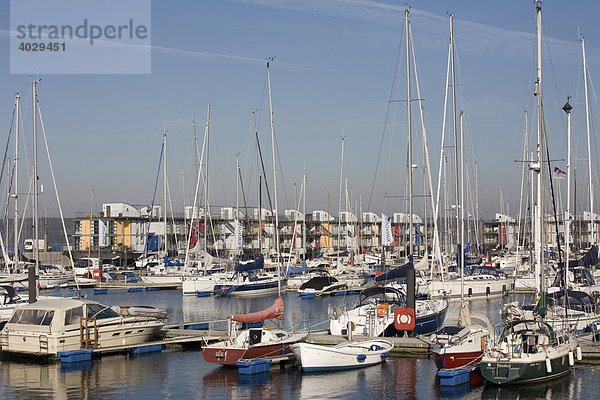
[177,373]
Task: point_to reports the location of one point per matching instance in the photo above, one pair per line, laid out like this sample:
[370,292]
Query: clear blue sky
[332,74]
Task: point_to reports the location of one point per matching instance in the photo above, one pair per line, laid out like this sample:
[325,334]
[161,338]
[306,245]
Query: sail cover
[395,274]
[259,263]
[275,311]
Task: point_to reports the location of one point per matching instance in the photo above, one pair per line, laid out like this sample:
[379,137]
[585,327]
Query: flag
[101,233]
[568,233]
[386,230]
[238,234]
[559,174]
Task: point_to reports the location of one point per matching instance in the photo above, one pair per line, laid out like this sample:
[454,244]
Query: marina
[179,370]
[222,256]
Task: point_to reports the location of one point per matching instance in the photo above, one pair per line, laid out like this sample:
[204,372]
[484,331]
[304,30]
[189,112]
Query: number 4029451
[50,46]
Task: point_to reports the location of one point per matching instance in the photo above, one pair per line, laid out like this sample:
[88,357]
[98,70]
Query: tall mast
[274,178]
[587,125]
[408,112]
[304,214]
[206,210]
[567,108]
[258,182]
[237,198]
[458,240]
[32,290]
[339,244]
[165,188]
[16,177]
[462,209]
[540,154]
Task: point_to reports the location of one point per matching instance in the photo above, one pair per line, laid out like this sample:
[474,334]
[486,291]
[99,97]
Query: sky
[332,76]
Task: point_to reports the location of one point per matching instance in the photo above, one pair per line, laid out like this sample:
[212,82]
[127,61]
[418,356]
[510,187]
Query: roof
[58,303]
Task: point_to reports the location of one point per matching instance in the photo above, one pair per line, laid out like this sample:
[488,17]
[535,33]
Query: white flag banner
[386,230]
[101,233]
[568,233]
[238,234]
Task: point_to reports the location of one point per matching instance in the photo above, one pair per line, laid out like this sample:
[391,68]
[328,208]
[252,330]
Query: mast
[206,211]
[304,214]
[567,108]
[587,125]
[165,190]
[237,198]
[258,182]
[33,289]
[539,212]
[462,209]
[16,177]
[274,179]
[408,112]
[458,240]
[339,244]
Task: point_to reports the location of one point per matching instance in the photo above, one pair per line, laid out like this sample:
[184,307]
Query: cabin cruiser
[323,284]
[50,326]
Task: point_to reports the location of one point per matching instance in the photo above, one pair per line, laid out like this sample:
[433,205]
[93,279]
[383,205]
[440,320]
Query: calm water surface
[175,374]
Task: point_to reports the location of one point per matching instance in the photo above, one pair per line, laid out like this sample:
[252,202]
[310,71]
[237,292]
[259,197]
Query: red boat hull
[455,360]
[230,355]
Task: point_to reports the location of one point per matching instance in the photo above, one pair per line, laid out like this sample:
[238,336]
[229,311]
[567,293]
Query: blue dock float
[307,295]
[134,289]
[132,281]
[146,349]
[353,292]
[75,356]
[203,294]
[101,291]
[256,366]
[129,274]
[454,376]
[151,289]
[339,293]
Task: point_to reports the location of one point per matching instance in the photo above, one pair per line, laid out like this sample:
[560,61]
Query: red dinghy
[253,342]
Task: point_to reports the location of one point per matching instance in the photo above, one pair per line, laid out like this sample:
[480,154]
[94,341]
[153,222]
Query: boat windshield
[99,311]
[32,317]
[72,316]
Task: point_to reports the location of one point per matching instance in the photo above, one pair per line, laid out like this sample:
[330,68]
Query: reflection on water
[185,374]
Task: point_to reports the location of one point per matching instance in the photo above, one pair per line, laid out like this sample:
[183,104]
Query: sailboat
[258,342]
[461,345]
[529,348]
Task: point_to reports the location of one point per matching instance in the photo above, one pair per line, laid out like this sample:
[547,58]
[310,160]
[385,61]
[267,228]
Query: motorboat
[374,314]
[49,326]
[251,343]
[350,355]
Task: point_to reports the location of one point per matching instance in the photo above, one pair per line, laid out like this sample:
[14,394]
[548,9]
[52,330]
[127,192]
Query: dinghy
[313,357]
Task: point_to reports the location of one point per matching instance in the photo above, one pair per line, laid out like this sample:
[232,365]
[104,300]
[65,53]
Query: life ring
[382,310]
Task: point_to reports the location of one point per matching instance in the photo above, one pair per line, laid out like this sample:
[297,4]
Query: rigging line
[162,147]
[551,186]
[10,130]
[387,112]
[62,218]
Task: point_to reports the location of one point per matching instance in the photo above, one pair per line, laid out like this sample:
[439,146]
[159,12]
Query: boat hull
[347,356]
[228,355]
[503,372]
[456,360]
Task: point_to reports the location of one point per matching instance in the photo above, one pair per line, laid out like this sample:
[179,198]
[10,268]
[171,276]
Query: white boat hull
[344,356]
